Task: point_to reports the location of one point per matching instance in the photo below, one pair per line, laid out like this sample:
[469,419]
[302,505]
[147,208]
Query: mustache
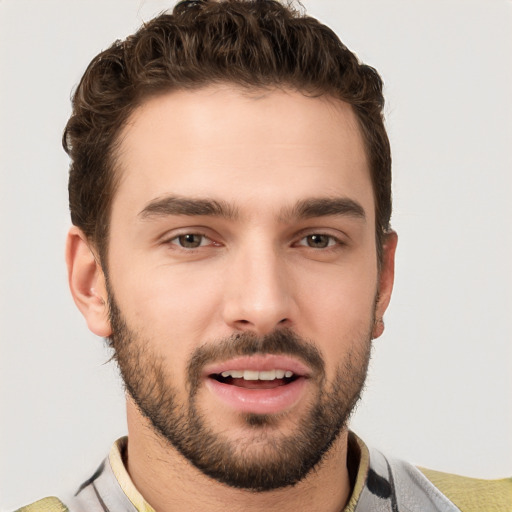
[283,342]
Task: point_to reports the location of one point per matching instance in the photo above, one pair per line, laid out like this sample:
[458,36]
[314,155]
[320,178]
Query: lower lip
[258,401]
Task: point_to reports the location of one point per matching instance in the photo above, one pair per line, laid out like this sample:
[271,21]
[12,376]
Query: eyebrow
[175,205]
[323,207]
[304,209]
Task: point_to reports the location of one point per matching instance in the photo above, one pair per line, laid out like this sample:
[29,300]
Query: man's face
[243,277]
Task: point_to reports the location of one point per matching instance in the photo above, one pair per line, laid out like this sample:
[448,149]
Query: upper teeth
[255,375]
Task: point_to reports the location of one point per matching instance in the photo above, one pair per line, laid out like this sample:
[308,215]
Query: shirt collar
[116,458]
[358,462]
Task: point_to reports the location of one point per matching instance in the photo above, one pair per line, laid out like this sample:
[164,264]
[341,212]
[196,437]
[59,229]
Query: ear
[87,282]
[386,280]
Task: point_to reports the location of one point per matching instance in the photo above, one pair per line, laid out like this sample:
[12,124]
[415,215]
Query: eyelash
[176,240]
[332,241]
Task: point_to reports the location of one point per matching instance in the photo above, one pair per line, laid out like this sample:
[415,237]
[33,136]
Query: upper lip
[259,362]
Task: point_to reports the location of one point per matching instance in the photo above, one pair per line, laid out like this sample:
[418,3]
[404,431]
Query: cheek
[170,306]
[337,307]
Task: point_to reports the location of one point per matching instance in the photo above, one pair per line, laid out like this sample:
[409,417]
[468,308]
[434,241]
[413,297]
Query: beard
[267,459]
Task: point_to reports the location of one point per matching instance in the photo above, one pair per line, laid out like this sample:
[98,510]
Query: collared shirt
[379,484]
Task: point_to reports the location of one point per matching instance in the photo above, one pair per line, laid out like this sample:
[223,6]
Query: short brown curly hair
[250,43]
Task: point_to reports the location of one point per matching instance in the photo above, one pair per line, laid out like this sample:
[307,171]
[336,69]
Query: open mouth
[253,379]
[260,384]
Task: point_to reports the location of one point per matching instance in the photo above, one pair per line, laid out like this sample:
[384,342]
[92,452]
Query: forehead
[245,147]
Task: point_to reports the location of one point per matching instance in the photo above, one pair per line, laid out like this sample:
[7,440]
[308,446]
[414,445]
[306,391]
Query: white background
[440,389]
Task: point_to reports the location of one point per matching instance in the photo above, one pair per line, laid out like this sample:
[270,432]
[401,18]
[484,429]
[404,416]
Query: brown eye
[319,241]
[190,240]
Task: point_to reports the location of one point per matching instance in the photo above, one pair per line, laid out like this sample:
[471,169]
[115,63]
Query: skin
[261,153]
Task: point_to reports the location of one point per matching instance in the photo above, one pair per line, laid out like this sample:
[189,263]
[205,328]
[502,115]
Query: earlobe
[87,282]
[386,280]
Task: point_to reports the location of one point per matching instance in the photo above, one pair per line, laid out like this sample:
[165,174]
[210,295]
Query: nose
[258,292]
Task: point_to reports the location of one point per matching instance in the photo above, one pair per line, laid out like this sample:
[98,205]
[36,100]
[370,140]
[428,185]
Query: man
[230,195]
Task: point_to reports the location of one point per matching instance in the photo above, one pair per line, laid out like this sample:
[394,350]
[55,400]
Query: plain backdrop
[439,392]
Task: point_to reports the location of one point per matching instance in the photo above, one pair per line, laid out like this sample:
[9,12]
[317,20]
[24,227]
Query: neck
[168,481]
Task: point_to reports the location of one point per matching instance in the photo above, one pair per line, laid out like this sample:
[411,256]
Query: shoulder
[473,494]
[51,504]
[411,489]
